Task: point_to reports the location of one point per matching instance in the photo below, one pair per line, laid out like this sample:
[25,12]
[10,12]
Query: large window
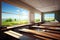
[49,17]
[12,15]
[37,17]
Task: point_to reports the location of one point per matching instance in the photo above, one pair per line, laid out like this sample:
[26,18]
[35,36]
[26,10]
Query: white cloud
[18,10]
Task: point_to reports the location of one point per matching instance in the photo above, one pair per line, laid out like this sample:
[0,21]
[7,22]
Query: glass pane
[24,16]
[12,15]
[9,19]
[37,17]
[49,17]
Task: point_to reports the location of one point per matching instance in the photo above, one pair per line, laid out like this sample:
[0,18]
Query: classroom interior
[30,20]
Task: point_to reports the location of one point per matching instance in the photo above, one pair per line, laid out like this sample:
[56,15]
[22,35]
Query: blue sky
[16,12]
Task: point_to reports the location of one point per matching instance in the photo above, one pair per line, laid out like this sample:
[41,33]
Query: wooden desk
[46,27]
[47,34]
[51,24]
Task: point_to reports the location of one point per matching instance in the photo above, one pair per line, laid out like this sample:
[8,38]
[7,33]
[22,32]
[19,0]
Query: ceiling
[44,5]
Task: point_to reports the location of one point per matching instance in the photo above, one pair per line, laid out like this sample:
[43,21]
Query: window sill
[17,26]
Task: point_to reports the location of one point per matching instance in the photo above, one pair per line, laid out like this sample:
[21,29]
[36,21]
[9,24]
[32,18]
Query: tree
[14,19]
[9,20]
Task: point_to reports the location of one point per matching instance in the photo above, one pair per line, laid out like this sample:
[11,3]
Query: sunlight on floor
[14,34]
[17,35]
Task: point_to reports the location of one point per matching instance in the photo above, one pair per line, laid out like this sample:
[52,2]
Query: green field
[9,22]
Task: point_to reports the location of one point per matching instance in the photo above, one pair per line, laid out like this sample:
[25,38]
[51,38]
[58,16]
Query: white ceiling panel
[44,5]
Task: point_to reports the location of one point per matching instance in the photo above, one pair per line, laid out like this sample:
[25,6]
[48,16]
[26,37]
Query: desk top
[52,35]
[47,27]
[51,24]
